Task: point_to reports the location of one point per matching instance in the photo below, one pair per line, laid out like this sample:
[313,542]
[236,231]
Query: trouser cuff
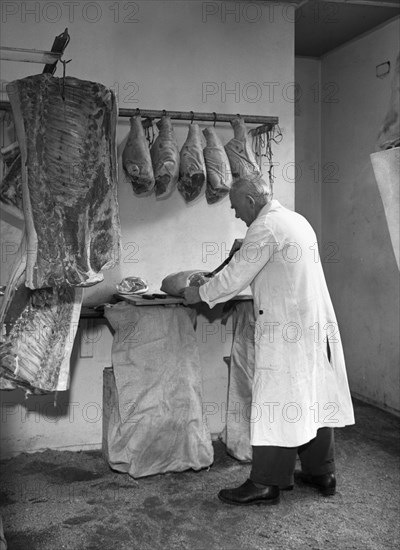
[281,482]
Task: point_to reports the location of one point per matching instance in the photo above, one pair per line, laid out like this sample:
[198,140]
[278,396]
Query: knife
[220,267]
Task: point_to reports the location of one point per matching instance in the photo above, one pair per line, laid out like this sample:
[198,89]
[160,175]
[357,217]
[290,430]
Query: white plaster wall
[362,273]
[168,58]
[308,141]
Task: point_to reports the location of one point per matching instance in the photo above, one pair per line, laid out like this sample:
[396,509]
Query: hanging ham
[219,177]
[192,172]
[136,159]
[165,158]
[66,134]
[241,157]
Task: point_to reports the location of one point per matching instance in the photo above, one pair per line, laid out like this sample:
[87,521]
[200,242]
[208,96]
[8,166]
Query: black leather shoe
[250,493]
[325,483]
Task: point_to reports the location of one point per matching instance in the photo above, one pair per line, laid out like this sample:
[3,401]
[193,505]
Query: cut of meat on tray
[165,158]
[219,177]
[241,157]
[136,159]
[38,330]
[132,285]
[192,171]
[66,133]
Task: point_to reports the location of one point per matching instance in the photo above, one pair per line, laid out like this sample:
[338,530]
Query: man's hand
[236,246]
[191,295]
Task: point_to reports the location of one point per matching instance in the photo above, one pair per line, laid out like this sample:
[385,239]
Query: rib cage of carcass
[66,134]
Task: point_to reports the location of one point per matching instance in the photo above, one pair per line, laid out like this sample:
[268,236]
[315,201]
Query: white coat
[296,389]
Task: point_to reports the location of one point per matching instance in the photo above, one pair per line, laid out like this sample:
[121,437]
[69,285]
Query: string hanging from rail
[149,131]
[262,146]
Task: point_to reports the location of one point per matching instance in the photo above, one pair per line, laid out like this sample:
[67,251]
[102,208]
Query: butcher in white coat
[300,390]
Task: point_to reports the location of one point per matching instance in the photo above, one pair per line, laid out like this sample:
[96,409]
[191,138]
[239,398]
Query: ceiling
[322,25]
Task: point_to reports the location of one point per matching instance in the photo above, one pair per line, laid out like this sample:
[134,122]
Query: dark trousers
[275,465]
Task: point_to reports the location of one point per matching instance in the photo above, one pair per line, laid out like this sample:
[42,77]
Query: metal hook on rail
[215,118]
[191,120]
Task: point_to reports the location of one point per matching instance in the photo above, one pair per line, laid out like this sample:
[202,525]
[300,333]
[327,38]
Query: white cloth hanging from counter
[156,423]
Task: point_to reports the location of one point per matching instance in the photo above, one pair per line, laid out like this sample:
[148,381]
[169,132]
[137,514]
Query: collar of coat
[265,209]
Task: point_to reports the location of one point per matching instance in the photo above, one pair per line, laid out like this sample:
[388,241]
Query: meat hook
[63,77]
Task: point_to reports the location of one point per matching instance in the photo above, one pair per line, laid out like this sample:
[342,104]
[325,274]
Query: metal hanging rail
[205,117]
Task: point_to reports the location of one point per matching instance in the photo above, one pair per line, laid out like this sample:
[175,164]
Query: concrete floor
[54,500]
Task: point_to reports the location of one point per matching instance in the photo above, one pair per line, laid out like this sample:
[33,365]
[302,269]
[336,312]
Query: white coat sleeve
[257,249]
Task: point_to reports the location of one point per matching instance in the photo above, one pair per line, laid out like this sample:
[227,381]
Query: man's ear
[250,200]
